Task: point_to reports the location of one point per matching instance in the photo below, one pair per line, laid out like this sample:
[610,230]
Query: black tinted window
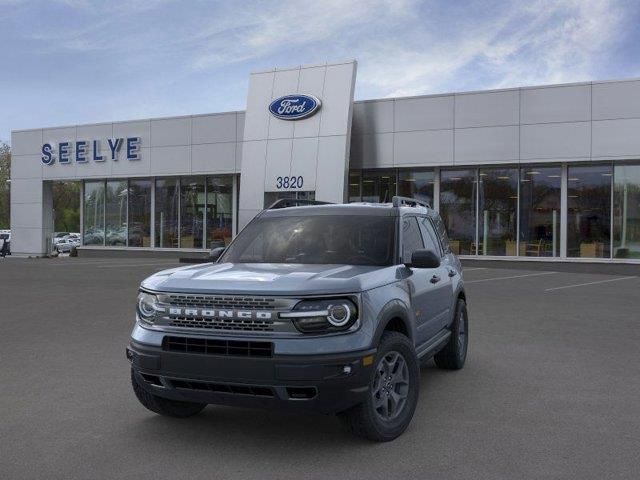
[411,238]
[442,233]
[317,239]
[429,235]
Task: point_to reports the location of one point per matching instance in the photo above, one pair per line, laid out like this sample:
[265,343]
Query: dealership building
[548,172]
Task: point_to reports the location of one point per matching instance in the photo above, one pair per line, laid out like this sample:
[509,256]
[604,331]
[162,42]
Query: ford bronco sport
[313,307]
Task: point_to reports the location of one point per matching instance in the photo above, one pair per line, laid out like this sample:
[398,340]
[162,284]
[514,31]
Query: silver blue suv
[313,307]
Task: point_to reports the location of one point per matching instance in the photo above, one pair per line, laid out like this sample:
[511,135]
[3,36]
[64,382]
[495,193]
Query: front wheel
[454,354]
[164,406]
[393,392]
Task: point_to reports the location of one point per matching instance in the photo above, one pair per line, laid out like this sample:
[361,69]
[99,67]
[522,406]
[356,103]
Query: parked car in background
[66,244]
[58,236]
[5,242]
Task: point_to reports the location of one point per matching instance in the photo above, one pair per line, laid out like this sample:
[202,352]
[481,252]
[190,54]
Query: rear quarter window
[442,233]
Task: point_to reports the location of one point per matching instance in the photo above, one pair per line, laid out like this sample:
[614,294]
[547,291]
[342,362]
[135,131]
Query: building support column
[436,189]
[234,207]
[152,240]
[563,210]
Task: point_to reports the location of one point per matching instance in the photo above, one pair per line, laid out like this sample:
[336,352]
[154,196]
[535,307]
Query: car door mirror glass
[424,259]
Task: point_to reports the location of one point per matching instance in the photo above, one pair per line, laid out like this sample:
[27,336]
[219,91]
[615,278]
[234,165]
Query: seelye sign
[82,151]
[294,107]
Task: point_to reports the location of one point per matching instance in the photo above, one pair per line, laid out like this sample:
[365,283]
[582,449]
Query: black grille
[222,323]
[222,302]
[254,390]
[207,346]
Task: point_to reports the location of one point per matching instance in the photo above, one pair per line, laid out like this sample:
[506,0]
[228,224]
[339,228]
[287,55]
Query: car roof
[356,209]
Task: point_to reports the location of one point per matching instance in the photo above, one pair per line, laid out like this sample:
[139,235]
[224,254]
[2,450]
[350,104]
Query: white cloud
[261,31]
[547,42]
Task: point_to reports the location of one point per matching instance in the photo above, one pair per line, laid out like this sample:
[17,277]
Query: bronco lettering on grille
[212,313]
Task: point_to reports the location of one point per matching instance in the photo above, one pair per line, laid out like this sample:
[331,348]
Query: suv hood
[270,279]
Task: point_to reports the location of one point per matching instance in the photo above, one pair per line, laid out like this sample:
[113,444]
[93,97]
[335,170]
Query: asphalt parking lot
[551,389]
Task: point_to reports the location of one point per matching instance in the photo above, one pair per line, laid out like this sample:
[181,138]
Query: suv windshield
[318,239]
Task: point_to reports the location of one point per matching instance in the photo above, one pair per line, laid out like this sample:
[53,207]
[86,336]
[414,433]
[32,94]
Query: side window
[442,233]
[411,238]
[430,239]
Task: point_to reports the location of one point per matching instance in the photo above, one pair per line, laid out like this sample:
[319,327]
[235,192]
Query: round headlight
[146,306]
[323,315]
[339,315]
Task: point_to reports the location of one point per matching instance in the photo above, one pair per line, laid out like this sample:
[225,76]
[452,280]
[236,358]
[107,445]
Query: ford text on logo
[294,107]
[82,151]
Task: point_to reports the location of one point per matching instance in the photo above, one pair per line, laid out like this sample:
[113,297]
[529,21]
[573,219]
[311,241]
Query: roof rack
[294,202]
[408,202]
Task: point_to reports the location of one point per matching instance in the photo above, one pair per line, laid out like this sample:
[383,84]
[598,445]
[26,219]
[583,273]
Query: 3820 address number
[289,182]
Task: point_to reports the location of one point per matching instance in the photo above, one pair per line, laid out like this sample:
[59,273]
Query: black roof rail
[294,202]
[409,202]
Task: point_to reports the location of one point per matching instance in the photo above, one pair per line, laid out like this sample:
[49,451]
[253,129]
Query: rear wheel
[393,392]
[164,406]
[454,354]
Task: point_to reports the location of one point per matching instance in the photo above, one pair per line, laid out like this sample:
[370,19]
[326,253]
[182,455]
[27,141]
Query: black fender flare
[394,309]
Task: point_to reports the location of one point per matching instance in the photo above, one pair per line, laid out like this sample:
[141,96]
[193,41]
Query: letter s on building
[47,156]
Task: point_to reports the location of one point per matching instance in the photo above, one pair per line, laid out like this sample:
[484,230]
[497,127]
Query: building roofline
[371,100]
[498,90]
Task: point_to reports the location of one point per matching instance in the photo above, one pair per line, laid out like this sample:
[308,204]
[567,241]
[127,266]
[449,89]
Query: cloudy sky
[80,61]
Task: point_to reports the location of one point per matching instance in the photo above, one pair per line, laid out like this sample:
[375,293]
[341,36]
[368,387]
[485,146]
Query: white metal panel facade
[584,122]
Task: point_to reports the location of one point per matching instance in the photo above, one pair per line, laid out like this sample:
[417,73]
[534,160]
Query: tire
[454,354]
[164,406]
[368,419]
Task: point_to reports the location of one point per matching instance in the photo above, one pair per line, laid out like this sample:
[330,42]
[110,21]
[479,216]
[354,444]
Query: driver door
[423,287]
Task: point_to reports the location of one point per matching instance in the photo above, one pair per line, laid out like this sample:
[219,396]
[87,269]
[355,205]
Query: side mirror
[215,253]
[424,259]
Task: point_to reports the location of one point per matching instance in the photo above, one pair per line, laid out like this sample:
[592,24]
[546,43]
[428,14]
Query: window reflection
[116,213]
[354,187]
[626,208]
[139,213]
[378,186]
[192,207]
[93,213]
[416,184]
[589,211]
[166,213]
[498,196]
[219,214]
[458,209]
[540,193]
[271,197]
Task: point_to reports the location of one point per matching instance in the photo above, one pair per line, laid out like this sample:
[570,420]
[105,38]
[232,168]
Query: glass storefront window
[93,212]
[116,213]
[416,184]
[626,211]
[140,213]
[498,211]
[271,197]
[378,186]
[219,211]
[540,193]
[458,209]
[192,208]
[166,213]
[354,186]
[589,211]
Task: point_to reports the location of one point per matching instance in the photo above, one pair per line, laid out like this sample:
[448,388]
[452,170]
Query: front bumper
[326,383]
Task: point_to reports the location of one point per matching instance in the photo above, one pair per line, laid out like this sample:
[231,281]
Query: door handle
[452,273]
[435,279]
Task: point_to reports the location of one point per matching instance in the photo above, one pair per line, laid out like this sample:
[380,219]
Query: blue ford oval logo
[294,107]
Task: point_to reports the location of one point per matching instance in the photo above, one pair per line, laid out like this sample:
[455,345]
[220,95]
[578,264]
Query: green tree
[5,175]
[66,206]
